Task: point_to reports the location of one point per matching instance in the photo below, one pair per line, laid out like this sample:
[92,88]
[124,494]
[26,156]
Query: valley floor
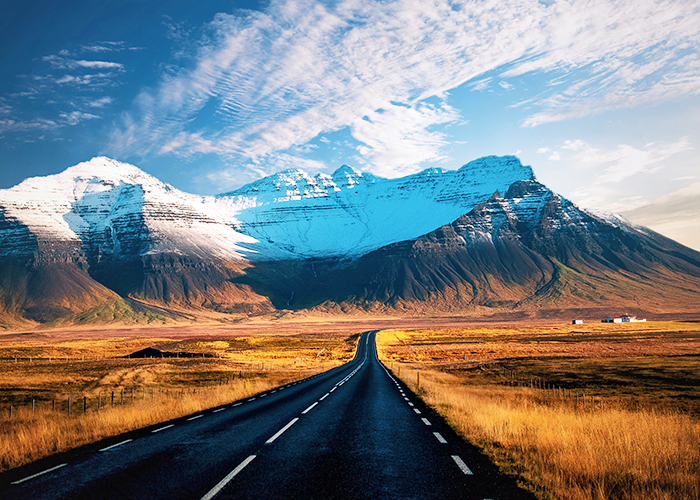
[592,411]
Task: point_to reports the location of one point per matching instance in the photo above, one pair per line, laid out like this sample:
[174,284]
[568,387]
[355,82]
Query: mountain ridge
[438,241]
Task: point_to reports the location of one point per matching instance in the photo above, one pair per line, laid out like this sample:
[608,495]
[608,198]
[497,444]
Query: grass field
[575,411]
[56,393]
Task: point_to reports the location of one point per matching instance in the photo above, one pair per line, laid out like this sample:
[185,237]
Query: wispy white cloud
[625,160]
[75,117]
[107,46]
[101,102]
[43,124]
[87,80]
[481,84]
[279,78]
[676,215]
[68,63]
[611,169]
[396,139]
[505,85]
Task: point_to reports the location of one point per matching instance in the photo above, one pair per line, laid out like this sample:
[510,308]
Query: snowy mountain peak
[507,166]
[106,206]
[295,215]
[347,178]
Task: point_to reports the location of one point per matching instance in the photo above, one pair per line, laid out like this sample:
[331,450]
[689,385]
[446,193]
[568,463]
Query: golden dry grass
[146,391]
[606,446]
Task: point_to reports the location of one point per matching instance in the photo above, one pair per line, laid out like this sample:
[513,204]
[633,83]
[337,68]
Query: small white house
[577,322]
[632,319]
[623,319]
[612,319]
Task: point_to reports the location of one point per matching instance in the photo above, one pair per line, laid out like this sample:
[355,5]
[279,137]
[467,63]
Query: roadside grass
[109,394]
[561,410]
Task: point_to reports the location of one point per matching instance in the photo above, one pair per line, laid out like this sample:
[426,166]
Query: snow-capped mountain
[112,209]
[347,214]
[102,232]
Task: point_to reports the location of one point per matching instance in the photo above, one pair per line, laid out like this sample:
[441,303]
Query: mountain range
[104,241]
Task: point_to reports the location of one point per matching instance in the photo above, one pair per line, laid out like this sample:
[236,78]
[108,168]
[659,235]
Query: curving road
[354,432]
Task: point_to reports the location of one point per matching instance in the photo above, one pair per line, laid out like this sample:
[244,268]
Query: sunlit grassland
[108,393]
[618,415]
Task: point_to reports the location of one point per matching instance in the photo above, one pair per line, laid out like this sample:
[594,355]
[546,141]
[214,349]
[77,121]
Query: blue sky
[601,97]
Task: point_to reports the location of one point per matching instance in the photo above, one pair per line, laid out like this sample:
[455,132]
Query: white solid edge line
[163,428]
[463,467]
[220,409]
[440,438]
[194,418]
[216,489]
[426,421]
[309,408]
[279,432]
[115,445]
[325,396]
[39,474]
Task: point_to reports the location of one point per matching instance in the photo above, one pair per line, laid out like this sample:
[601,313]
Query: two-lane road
[352,432]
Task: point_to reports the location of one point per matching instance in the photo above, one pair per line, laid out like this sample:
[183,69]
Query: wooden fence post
[84,404]
[418,379]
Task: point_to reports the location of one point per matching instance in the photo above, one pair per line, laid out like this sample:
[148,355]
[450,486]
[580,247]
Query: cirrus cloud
[265,82]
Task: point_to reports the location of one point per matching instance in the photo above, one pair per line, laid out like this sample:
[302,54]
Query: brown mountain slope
[526,251]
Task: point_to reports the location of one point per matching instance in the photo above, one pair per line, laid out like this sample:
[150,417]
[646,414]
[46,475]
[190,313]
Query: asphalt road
[354,432]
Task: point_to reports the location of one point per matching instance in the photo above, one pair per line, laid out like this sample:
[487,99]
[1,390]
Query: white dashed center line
[163,428]
[426,421]
[309,408]
[195,418]
[325,396]
[463,467]
[410,404]
[237,404]
[115,445]
[39,474]
[417,411]
[281,431]
[440,438]
[220,409]
[228,478]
